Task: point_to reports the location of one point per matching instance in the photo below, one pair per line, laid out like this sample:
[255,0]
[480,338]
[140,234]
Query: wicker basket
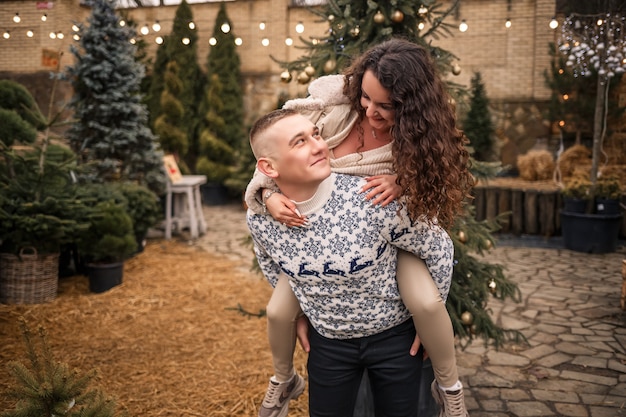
[29,278]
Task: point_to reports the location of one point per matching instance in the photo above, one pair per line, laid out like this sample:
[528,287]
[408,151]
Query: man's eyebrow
[296,137]
[300,134]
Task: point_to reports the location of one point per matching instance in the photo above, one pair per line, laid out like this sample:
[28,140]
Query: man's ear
[266,166]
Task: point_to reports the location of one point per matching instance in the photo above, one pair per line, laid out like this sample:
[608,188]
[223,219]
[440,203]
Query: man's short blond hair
[261,143]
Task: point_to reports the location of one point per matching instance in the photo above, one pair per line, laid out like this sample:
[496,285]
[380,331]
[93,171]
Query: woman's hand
[382,189]
[302,331]
[284,210]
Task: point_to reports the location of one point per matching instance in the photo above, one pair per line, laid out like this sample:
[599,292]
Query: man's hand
[284,210]
[382,189]
[302,331]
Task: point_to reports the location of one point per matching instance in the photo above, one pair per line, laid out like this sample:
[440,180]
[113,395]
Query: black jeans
[335,369]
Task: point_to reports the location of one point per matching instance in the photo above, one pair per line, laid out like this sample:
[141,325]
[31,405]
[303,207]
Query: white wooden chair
[183,201]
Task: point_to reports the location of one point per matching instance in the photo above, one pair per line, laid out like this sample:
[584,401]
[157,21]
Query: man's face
[299,154]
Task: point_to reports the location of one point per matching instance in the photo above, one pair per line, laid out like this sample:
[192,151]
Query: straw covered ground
[169,341]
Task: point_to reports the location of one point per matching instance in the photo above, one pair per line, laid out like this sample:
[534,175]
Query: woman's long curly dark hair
[430,157]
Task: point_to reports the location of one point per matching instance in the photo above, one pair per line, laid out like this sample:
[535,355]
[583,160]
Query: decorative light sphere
[285,77]
[467,318]
[303,78]
[330,66]
[379,17]
[397,16]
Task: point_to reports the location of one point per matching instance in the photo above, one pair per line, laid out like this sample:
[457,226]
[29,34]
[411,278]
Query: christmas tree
[168,126]
[353,28]
[48,388]
[216,158]
[477,124]
[180,46]
[111,130]
[223,61]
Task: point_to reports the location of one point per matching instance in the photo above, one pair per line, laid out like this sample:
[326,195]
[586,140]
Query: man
[341,267]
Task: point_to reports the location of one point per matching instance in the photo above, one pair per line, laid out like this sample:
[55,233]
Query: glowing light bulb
[156,26]
[265,42]
[554,23]
[463,26]
[225,27]
[288,41]
[17,18]
[300,27]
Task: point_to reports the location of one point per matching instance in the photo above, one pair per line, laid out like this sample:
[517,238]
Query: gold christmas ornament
[462,236]
[456,69]
[488,244]
[467,319]
[379,17]
[355,31]
[492,286]
[473,329]
[310,71]
[303,78]
[397,16]
[285,77]
[329,66]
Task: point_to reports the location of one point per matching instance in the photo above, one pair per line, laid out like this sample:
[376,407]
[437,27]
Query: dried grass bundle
[576,156]
[536,165]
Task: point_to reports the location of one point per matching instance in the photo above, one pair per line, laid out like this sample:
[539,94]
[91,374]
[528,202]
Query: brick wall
[511,61]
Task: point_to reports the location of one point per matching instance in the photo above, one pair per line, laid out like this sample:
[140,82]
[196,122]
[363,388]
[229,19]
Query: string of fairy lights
[14,23]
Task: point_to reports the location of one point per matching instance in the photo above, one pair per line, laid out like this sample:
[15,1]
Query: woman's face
[375,100]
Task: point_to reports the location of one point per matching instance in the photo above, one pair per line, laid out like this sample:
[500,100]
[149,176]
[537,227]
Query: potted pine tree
[108,242]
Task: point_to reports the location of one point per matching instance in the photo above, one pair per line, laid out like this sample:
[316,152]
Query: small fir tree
[111,131]
[169,125]
[47,388]
[223,61]
[216,157]
[477,124]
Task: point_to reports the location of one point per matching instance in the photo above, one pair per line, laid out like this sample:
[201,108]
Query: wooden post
[479,203]
[504,206]
[623,298]
[491,202]
[547,209]
[517,206]
[530,212]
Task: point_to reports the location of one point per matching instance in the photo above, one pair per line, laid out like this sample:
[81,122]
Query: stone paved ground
[576,362]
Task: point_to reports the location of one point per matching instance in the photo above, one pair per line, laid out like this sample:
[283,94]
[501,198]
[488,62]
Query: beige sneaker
[451,403]
[278,395]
